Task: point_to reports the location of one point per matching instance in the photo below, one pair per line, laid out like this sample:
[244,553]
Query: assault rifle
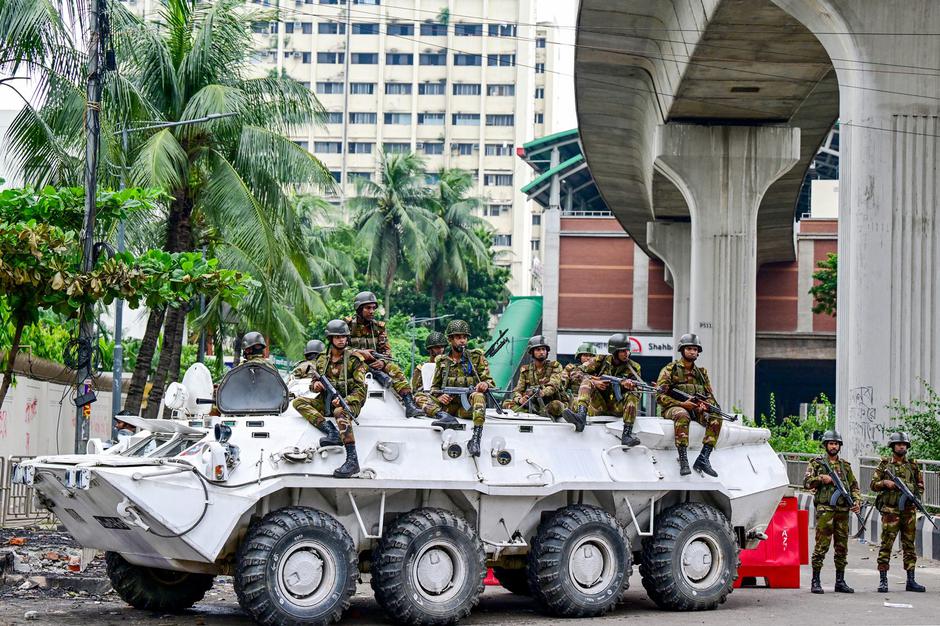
[332,393]
[710,407]
[464,394]
[841,492]
[908,495]
[497,344]
[618,387]
[534,393]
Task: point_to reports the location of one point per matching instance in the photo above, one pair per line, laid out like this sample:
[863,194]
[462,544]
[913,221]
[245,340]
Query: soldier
[832,522]
[539,387]
[682,374]
[253,347]
[434,344]
[595,397]
[888,501]
[347,371]
[368,335]
[573,375]
[460,367]
[307,368]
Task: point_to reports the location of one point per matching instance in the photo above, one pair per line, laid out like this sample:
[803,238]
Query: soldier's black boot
[332,434]
[883,583]
[351,466]
[411,409]
[816,586]
[684,468]
[702,464]
[627,438]
[445,420]
[473,446]
[913,585]
[578,418]
[841,587]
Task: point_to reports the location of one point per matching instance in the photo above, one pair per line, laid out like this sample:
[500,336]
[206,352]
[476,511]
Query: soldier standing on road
[368,335]
[347,371]
[538,389]
[435,344]
[461,367]
[832,521]
[682,374]
[573,375]
[893,519]
[595,395]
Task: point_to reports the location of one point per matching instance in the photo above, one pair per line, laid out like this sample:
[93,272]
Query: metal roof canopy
[575,175]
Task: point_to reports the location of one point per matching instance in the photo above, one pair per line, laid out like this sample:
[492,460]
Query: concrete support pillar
[641,289]
[551,249]
[672,243]
[723,172]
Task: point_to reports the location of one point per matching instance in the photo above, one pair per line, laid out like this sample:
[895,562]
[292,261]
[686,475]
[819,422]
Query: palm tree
[230,180]
[460,243]
[395,221]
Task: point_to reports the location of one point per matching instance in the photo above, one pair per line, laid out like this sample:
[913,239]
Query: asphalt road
[753,607]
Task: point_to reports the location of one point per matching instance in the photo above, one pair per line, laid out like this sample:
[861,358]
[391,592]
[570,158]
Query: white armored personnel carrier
[559,514]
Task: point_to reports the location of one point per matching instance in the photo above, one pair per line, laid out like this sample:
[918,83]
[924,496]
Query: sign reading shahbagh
[640,345]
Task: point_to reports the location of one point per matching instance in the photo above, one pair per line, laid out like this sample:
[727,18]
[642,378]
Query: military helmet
[898,437]
[457,327]
[337,328]
[538,341]
[585,348]
[831,435]
[689,339]
[618,341]
[363,298]
[253,339]
[314,346]
[435,340]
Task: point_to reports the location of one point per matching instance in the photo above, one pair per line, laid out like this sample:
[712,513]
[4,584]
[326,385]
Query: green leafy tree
[921,421]
[791,434]
[824,289]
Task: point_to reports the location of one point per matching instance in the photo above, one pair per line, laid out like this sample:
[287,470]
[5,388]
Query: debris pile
[41,561]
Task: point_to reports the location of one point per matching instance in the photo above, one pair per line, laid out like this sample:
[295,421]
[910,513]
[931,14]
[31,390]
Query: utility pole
[92,138]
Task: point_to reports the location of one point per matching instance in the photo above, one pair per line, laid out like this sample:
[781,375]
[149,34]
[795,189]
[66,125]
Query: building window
[502,30]
[501,90]
[495,210]
[430,147]
[398,118]
[466,119]
[540,93]
[466,89]
[468,30]
[462,59]
[305,57]
[433,29]
[306,28]
[539,118]
[328,28]
[502,240]
[365,29]
[354,176]
[289,28]
[497,180]
[463,149]
[329,88]
[537,219]
[399,58]
[396,148]
[362,118]
[536,245]
[501,60]
[301,143]
[432,58]
[539,68]
[328,147]
[328,58]
[397,89]
[401,30]
[540,42]
[431,178]
[360,147]
[332,1]
[431,119]
[500,119]
[362,89]
[374,3]
[431,89]
[333,117]
[337,176]
[364,58]
[498,149]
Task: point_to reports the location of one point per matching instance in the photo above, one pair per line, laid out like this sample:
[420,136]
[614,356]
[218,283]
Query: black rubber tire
[514,580]
[154,589]
[550,580]
[661,567]
[396,558]
[269,543]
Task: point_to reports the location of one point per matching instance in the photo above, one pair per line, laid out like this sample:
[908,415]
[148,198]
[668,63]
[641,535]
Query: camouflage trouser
[400,383]
[605,403]
[680,416]
[311,409]
[454,407]
[423,400]
[831,525]
[892,524]
[552,408]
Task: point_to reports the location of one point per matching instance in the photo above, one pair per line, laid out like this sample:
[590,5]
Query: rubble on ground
[38,561]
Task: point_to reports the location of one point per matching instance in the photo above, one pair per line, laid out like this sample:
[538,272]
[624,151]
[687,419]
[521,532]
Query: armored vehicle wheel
[296,566]
[514,580]
[154,589]
[691,561]
[579,562]
[429,568]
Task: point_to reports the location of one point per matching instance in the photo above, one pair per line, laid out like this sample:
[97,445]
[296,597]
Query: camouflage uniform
[417,384]
[348,375]
[549,379]
[893,520]
[571,379]
[675,375]
[832,522]
[605,402]
[366,336]
[467,372]
[257,358]
[304,369]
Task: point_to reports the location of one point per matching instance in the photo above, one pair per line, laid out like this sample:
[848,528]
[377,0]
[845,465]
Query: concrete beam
[672,243]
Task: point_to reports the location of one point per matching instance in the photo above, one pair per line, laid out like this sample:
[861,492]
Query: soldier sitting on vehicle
[307,368]
[573,375]
[539,387]
[253,347]
[597,397]
[346,370]
[684,375]
[369,338]
[435,344]
[460,367]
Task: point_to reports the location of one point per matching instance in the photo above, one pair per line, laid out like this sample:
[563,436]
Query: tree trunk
[11,358]
[148,345]
[237,347]
[170,334]
[174,374]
